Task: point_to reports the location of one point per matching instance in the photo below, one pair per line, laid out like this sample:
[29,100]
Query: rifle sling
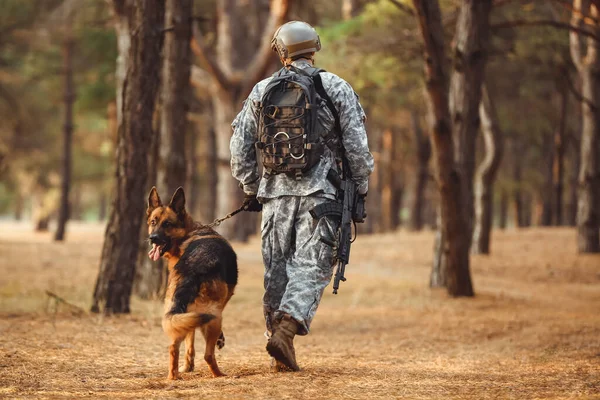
[321,91]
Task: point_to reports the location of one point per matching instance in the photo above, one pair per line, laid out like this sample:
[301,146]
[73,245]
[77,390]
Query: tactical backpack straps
[321,91]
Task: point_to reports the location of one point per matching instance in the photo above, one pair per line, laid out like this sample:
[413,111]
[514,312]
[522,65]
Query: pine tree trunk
[517,179]
[122,10]
[41,225]
[387,180]
[469,57]
[212,179]
[167,162]
[503,217]
[558,170]
[150,280]
[192,184]
[102,206]
[175,96]
[588,209]
[573,180]
[527,210]
[121,242]
[588,65]
[547,189]
[454,247]
[397,183]
[19,205]
[437,278]
[373,222]
[423,155]
[350,9]
[486,175]
[69,99]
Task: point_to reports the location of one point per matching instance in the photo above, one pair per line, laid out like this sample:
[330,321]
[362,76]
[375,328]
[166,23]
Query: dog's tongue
[154,253]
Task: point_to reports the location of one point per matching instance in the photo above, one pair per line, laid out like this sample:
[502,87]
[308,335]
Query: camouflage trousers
[298,265]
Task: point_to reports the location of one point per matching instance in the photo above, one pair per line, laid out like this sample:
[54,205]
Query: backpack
[288,137]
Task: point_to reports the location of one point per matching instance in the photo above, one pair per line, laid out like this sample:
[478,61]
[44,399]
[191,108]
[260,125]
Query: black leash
[218,221]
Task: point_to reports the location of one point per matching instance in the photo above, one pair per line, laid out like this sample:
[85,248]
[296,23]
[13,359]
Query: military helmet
[295,38]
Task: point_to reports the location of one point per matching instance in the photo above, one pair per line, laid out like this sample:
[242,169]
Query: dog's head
[167,225]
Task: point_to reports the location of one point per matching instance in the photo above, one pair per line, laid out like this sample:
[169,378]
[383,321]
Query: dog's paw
[187,368]
[221,341]
[173,377]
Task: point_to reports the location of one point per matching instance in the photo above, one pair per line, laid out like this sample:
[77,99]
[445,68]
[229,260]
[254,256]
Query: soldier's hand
[251,203]
[360,209]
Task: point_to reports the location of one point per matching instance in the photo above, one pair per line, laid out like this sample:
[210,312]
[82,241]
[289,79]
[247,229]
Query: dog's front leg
[174,360]
[190,352]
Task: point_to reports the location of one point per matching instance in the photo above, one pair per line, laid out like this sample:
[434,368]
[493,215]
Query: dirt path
[533,331]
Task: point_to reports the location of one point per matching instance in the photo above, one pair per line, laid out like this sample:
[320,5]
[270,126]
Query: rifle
[350,206]
[350,209]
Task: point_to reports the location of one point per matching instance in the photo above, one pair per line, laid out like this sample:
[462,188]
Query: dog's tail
[177,325]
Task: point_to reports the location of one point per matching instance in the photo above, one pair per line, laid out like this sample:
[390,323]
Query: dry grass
[533,331]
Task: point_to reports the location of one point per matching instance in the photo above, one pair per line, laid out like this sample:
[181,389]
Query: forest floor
[532,331]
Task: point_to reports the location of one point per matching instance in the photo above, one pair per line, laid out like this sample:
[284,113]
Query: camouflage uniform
[298,266]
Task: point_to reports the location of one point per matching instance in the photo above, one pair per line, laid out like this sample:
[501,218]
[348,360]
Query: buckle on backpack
[287,137]
[270,114]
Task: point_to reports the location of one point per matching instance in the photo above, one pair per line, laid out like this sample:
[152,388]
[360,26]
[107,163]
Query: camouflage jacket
[244,164]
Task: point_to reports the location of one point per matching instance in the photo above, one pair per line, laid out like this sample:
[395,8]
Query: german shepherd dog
[202,276]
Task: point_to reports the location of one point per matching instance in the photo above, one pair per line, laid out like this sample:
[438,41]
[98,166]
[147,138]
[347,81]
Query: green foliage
[375,53]
[96,54]
[379,52]
[32,79]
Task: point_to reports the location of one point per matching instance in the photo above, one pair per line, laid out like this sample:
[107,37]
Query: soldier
[295,134]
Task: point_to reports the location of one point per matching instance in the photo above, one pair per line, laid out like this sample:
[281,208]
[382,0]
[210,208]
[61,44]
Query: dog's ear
[153,201]
[177,203]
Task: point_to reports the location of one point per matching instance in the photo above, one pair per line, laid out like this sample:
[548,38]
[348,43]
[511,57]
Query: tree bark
[518,200]
[150,280]
[423,155]
[437,278]
[486,175]
[19,205]
[454,228]
[350,9]
[396,182]
[588,65]
[102,206]
[469,58]
[558,169]
[192,184]
[388,183]
[212,179]
[41,225]
[573,181]
[122,9]
[547,196]
[503,220]
[175,96]
[374,210]
[527,210]
[69,99]
[121,241]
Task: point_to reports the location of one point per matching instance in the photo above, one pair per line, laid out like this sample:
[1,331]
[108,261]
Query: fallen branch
[75,310]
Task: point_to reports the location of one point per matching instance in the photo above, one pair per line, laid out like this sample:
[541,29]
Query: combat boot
[281,343]
[276,366]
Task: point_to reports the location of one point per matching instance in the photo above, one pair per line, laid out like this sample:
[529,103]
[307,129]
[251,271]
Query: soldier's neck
[301,61]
